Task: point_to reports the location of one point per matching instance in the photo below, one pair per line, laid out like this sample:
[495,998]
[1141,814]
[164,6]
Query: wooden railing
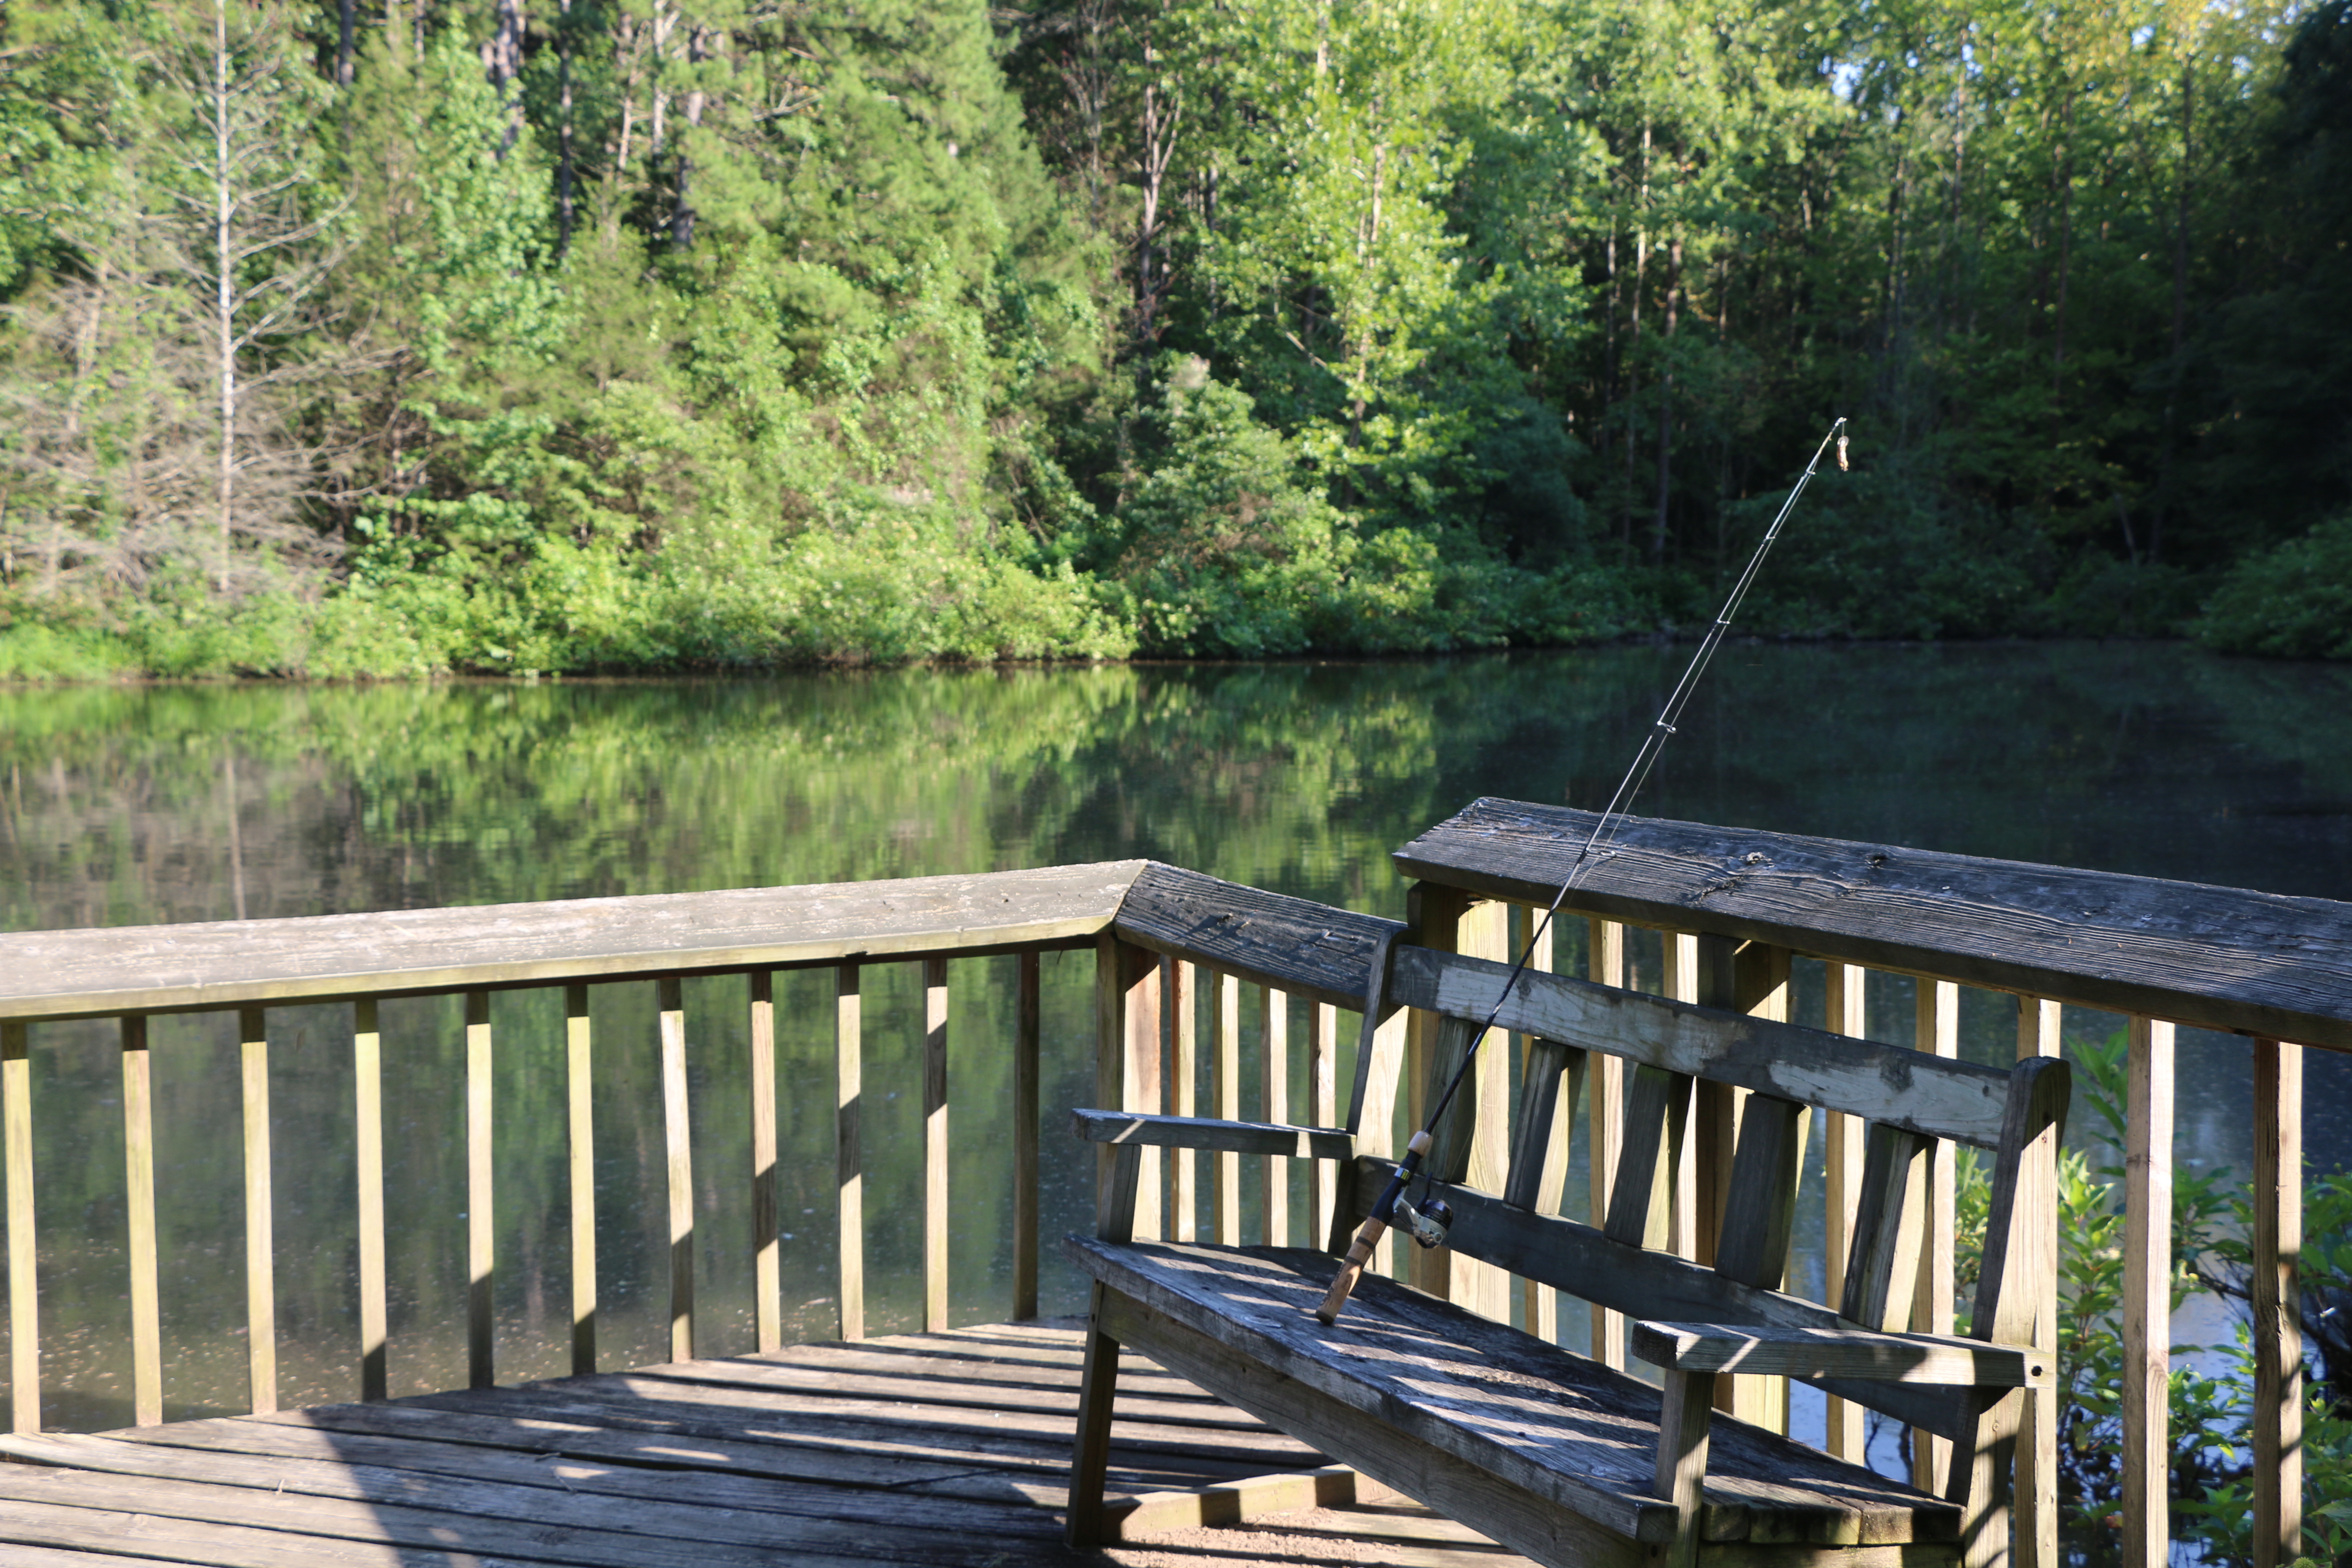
[250,967]
[1733,909]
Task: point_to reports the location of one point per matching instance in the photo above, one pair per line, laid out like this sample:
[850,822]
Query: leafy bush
[2294,601]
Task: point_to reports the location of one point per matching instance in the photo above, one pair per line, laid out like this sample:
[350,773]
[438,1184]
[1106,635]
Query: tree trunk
[223,288]
[2065,259]
[344,22]
[2180,312]
[681,222]
[502,59]
[1633,324]
[1666,399]
[566,168]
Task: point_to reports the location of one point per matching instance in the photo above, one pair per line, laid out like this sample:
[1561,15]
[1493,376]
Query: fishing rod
[1428,1222]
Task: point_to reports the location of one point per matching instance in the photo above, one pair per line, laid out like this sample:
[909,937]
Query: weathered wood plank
[1199,1132]
[24,1253]
[2147,1290]
[1685,1423]
[1178,1053]
[767,1262]
[1267,939]
[1944,1099]
[2277,1303]
[1225,1080]
[2218,958]
[1882,1268]
[1842,1352]
[1844,1002]
[260,1268]
[1605,1123]
[1935,1029]
[848,1150]
[1323,1089]
[1274,1039]
[936,1217]
[138,1215]
[1643,1282]
[580,1158]
[2036,1482]
[1027,1002]
[482,1190]
[207,966]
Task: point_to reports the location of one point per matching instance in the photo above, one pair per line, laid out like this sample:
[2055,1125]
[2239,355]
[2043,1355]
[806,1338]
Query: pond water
[129,805]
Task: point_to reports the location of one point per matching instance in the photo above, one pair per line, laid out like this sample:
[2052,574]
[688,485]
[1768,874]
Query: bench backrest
[1769,1075]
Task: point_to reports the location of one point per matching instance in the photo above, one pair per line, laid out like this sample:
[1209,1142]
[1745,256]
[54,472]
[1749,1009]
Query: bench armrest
[1205,1132]
[1842,1352]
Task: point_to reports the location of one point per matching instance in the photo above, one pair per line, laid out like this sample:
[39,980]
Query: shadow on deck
[945,1449]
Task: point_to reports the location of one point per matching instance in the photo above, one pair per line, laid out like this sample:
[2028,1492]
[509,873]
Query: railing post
[1604,964]
[1842,1139]
[2278,1303]
[139,1203]
[2148,1296]
[260,1276]
[935,1144]
[481,1189]
[1028,991]
[367,1126]
[1126,1063]
[1937,1029]
[678,1144]
[581,1156]
[24,1254]
[2038,1035]
[849,1147]
[767,1262]
[1274,1038]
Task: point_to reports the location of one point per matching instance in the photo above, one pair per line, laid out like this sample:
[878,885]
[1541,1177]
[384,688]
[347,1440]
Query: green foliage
[2292,601]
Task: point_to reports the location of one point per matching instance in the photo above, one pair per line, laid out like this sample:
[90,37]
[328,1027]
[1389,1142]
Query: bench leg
[1091,1458]
[1683,1422]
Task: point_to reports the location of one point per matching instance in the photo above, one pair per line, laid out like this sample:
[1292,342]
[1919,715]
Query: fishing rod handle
[1344,1285]
[1376,1225]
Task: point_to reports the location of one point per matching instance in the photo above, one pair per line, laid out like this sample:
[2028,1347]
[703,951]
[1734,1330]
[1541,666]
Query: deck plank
[936,1450]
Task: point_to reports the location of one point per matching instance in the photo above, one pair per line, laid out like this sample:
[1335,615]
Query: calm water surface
[137,806]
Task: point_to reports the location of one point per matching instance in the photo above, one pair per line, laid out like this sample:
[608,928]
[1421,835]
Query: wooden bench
[1552,1453]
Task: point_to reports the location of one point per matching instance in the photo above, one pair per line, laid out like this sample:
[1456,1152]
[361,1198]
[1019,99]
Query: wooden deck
[939,1450]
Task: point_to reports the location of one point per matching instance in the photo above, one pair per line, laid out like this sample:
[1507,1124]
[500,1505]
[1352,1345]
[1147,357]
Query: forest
[631,335]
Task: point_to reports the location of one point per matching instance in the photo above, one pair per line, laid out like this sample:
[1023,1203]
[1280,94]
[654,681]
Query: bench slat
[1559,1426]
[1842,1352]
[1640,1283]
[1942,1098]
[1210,1133]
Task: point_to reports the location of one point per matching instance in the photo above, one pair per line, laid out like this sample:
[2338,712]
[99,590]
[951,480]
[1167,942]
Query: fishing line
[1427,1224]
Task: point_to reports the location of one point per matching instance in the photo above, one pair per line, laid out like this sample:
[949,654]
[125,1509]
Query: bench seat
[1524,1441]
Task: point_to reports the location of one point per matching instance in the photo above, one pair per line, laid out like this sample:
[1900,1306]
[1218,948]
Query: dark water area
[133,806]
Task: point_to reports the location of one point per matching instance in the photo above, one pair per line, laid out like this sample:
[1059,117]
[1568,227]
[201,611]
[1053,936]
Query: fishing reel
[1428,1224]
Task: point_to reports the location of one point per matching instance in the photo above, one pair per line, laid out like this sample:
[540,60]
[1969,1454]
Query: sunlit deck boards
[948,1448]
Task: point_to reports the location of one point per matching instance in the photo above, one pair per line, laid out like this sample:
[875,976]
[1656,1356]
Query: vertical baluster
[1138,1087]
[139,1203]
[1273,1035]
[1680,952]
[1179,1049]
[581,1156]
[24,1283]
[2038,1023]
[935,1143]
[1604,964]
[678,1146]
[2148,1295]
[1842,1141]
[848,1151]
[367,1127]
[481,1178]
[1323,1079]
[260,1277]
[1937,1029]
[1026,1036]
[766,1261]
[2277,1302]
[1540,1304]
[1228,1086]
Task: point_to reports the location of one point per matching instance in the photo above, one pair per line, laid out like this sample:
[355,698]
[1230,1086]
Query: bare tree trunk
[1367,248]
[681,222]
[225,286]
[1634,325]
[566,168]
[2065,256]
[502,58]
[1161,119]
[344,22]
[2180,310]
[1666,399]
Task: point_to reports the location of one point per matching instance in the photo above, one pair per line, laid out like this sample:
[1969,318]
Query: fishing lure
[1427,1222]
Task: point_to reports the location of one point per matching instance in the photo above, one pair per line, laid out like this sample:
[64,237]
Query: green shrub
[2294,601]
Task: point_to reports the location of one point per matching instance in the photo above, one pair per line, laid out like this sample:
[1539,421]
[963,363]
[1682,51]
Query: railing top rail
[1309,949]
[221,964]
[2217,958]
